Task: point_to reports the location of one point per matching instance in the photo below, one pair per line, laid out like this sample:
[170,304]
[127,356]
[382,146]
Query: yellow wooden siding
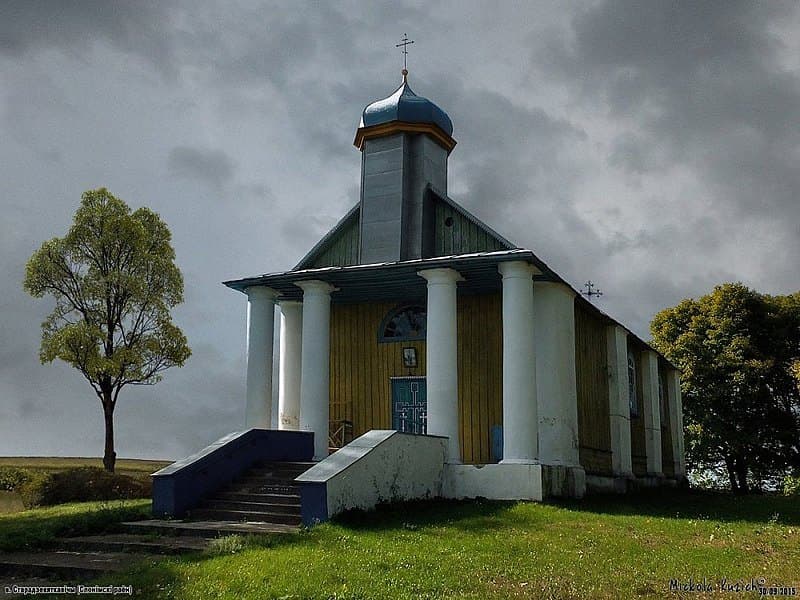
[480,364]
[360,388]
[361,367]
[594,425]
[638,447]
[668,465]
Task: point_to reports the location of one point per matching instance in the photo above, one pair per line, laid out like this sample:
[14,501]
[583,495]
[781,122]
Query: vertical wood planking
[592,386]
[667,458]
[638,446]
[361,369]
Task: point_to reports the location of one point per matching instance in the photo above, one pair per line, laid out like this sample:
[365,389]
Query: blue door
[409,405]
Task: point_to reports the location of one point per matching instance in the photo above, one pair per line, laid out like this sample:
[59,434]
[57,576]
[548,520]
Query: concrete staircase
[264,500]
[265,493]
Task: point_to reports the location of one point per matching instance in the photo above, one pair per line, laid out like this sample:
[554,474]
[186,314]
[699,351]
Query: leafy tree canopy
[114,281]
[738,352]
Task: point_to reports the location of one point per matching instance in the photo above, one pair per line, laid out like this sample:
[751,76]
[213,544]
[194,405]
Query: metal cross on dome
[590,290]
[404,43]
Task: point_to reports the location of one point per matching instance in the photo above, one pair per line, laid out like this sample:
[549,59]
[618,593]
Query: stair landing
[207,529]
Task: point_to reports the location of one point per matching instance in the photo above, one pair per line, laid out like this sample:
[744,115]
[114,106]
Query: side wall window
[662,400]
[632,399]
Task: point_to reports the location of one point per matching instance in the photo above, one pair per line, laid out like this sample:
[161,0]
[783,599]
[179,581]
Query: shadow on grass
[465,515]
[692,504]
[39,528]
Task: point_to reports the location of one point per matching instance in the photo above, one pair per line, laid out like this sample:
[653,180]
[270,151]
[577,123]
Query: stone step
[257,487]
[212,514]
[223,504]
[287,464]
[67,565]
[130,542]
[264,479]
[283,472]
[263,498]
[206,529]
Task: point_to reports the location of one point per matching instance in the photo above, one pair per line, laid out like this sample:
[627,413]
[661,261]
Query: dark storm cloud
[693,88]
[74,25]
[647,146]
[701,84]
[214,167]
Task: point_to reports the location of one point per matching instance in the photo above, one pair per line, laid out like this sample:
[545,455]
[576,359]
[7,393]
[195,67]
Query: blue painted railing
[183,484]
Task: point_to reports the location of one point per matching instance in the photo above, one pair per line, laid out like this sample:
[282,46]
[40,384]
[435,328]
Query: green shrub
[791,485]
[13,477]
[83,484]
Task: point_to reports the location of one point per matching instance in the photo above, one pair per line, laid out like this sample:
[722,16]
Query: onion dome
[404,105]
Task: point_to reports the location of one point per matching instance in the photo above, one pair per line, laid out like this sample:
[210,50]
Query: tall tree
[737,350]
[114,281]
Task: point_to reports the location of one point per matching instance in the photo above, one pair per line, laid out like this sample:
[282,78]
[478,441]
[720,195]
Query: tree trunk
[110,457]
[741,474]
[729,465]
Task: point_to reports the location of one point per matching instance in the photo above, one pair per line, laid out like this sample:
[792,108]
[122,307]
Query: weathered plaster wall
[380,466]
[496,482]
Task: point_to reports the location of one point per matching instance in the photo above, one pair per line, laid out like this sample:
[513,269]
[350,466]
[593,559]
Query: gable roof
[455,231]
[338,247]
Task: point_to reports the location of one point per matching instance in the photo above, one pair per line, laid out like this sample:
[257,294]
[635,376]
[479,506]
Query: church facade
[413,315]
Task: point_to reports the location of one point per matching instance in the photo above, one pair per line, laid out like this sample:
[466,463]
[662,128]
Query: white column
[442,358]
[315,363]
[520,413]
[619,405]
[260,331]
[556,384]
[676,421]
[290,364]
[652,412]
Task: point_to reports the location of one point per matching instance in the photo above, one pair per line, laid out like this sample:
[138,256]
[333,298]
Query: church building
[413,316]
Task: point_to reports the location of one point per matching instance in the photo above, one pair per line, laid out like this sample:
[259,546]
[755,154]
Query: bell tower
[405,141]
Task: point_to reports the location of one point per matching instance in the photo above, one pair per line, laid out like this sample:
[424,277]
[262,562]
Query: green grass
[11,502]
[607,547]
[604,547]
[126,466]
[38,527]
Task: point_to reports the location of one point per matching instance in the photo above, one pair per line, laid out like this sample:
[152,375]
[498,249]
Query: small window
[662,401]
[632,399]
[403,324]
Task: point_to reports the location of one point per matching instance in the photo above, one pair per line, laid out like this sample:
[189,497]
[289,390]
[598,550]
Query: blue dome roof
[405,105]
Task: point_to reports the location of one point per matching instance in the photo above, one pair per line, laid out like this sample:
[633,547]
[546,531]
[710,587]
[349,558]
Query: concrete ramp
[380,466]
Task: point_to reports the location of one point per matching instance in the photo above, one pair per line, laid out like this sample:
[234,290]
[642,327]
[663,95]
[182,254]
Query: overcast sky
[652,147]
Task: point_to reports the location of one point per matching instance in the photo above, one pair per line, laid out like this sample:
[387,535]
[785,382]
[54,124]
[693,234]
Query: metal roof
[396,280]
[404,105]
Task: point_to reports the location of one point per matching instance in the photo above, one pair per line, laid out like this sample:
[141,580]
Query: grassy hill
[609,547]
[11,502]
[127,466]
[604,547]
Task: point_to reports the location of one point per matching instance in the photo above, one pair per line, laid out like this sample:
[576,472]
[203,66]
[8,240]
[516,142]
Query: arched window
[408,322]
[632,400]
